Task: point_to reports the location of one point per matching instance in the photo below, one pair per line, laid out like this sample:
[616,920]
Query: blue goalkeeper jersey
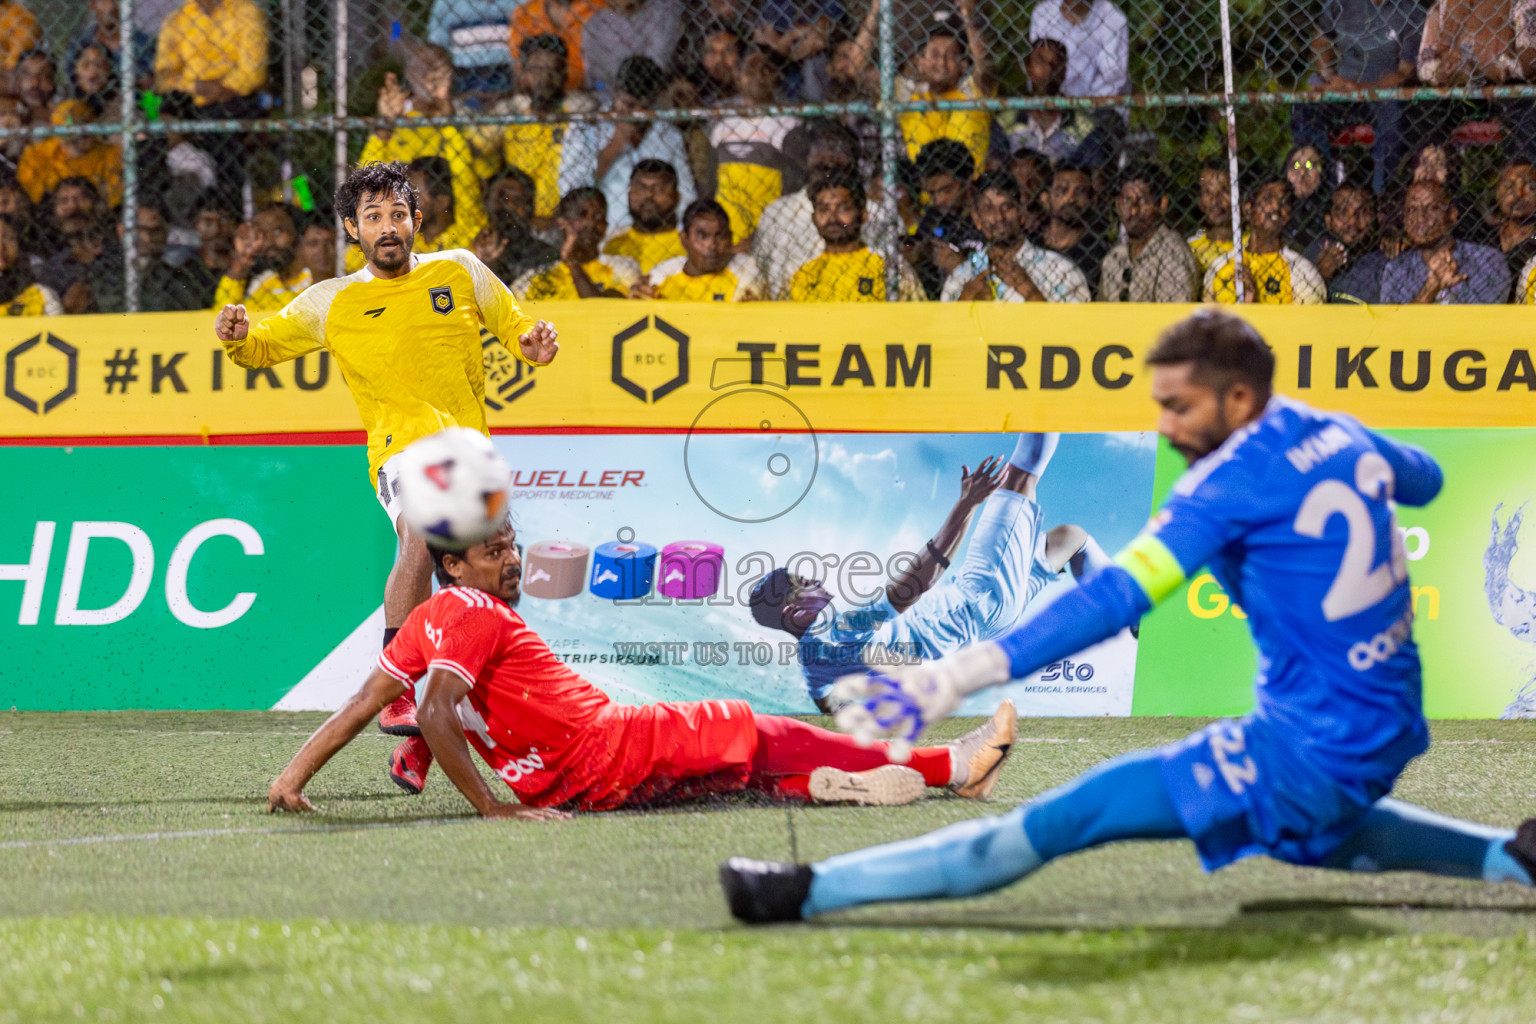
[1293,515]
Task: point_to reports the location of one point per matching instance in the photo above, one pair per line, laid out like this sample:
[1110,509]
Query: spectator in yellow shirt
[48,162]
[20,294]
[847,271]
[1214,241]
[267,270]
[1272,272]
[583,272]
[750,162]
[215,51]
[652,233]
[710,271]
[19,32]
[536,149]
[941,75]
[429,72]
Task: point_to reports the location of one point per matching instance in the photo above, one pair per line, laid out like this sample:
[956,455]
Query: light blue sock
[1499,866]
[1398,836]
[964,859]
[1120,799]
[1034,451]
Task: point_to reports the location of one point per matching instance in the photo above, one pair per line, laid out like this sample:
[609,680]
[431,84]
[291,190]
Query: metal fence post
[341,133]
[1237,214]
[130,215]
[890,150]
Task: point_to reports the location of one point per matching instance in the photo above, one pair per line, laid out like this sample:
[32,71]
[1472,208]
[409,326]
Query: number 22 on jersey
[1357,585]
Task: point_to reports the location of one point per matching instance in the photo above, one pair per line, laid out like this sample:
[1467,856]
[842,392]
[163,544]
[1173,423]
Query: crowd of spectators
[733,203]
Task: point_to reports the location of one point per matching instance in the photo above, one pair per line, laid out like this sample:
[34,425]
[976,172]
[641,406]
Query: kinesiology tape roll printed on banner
[555,569]
[691,569]
[623,571]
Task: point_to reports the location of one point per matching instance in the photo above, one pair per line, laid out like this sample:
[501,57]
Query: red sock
[787,746]
[935,764]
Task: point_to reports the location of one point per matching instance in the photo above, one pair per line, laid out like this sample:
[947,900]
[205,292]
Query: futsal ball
[453,488]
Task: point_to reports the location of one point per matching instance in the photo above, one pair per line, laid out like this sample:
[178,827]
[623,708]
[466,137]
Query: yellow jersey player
[405,333]
[710,272]
[847,271]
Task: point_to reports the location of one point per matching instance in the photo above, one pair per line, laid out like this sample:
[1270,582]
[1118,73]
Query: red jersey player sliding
[480,674]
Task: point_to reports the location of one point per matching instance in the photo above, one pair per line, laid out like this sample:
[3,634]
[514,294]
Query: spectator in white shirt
[1097,40]
[1011,268]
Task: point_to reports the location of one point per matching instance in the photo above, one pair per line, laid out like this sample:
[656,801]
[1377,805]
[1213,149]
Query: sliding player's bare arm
[287,791]
[437,715]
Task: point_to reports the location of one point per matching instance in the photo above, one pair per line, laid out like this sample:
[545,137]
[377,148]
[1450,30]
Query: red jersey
[547,732]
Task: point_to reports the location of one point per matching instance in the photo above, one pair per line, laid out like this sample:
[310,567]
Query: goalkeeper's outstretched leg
[1123,799]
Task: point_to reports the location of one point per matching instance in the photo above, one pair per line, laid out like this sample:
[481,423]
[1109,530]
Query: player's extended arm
[902,702]
[287,791]
[1417,474]
[277,339]
[533,343]
[930,563]
[437,715]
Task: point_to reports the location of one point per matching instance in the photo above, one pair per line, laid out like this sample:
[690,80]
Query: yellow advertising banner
[679,366]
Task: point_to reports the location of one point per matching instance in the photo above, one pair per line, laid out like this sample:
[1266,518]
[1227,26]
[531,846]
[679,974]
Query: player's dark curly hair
[377,179]
[444,578]
[1223,348]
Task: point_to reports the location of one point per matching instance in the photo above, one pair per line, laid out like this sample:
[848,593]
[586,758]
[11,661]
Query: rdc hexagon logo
[41,373]
[650,360]
[506,376]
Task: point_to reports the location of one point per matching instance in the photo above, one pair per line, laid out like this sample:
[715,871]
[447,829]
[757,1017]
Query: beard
[512,588]
[1206,443]
[391,256]
[839,234]
[650,218]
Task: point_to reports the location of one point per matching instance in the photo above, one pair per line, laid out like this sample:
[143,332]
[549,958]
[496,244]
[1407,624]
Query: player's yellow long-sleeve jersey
[409,347]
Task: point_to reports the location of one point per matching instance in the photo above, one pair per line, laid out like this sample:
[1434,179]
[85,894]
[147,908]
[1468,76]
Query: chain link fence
[178,154]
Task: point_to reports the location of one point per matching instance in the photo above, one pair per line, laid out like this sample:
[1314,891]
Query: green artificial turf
[142,881]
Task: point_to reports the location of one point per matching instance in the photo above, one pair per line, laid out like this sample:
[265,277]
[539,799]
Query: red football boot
[409,764]
[399,719]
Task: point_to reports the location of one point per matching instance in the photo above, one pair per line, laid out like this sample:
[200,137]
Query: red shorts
[668,752]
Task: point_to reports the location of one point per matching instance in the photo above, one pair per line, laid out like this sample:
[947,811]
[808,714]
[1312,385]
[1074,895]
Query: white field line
[213,833]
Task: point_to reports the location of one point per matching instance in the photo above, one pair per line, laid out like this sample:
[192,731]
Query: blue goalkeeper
[1292,510]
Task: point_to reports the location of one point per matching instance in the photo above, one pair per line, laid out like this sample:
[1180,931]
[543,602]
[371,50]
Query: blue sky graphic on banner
[840,507]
